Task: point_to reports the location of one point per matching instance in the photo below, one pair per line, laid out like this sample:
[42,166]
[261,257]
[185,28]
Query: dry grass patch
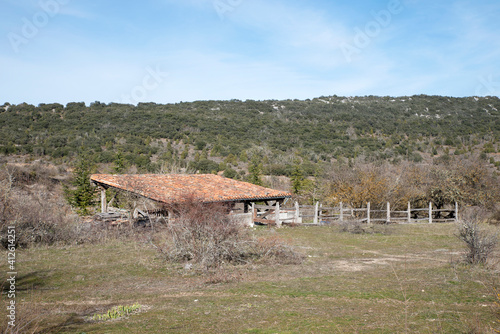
[407,281]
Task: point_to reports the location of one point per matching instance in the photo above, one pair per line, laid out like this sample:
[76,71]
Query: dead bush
[38,222]
[468,182]
[479,240]
[35,204]
[93,230]
[351,226]
[37,211]
[494,219]
[207,236]
[27,175]
[274,249]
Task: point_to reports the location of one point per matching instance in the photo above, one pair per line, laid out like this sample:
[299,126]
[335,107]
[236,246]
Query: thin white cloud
[299,31]
[77,13]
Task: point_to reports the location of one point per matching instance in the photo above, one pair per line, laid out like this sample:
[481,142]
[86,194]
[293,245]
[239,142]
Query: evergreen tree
[82,194]
[255,170]
[119,163]
[297,178]
[243,156]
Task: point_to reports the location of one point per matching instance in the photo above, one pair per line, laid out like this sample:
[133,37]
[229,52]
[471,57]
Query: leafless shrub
[355,226]
[7,180]
[38,212]
[351,226]
[207,236]
[92,230]
[468,182]
[494,219]
[31,200]
[480,241]
[26,175]
[274,249]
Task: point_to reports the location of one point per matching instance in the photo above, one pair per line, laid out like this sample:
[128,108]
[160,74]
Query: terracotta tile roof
[174,188]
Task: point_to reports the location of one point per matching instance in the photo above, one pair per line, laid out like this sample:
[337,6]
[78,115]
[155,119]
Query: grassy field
[399,279]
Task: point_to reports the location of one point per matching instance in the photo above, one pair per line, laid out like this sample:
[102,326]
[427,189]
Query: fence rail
[302,214]
[318,214]
[410,215]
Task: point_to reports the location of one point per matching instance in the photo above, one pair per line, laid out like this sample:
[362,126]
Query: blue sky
[171,50]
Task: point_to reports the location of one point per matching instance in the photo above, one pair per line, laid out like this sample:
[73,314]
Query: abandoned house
[166,190]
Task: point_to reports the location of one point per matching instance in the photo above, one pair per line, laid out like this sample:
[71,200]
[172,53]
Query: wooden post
[104,207]
[316,213]
[368,212]
[246,209]
[254,214]
[456,211]
[409,212]
[430,212]
[341,211]
[320,213]
[388,212]
[112,200]
[297,212]
[277,213]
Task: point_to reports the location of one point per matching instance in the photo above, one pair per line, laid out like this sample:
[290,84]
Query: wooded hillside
[223,135]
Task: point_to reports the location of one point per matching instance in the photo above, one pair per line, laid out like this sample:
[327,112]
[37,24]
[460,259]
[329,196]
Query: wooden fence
[318,214]
[276,215]
[367,214]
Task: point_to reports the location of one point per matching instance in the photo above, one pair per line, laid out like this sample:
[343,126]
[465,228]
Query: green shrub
[116,312]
